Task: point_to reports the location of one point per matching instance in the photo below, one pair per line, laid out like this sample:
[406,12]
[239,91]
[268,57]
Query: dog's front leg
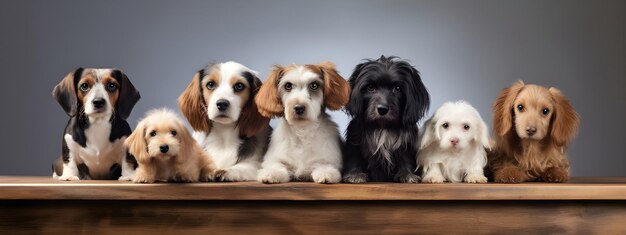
[70,170]
[353,174]
[273,173]
[432,174]
[146,173]
[326,174]
[556,175]
[243,171]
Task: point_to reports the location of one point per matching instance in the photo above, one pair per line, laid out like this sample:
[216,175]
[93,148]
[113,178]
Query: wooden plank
[313,217]
[40,188]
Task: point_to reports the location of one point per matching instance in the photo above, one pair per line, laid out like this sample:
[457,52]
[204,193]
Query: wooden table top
[46,188]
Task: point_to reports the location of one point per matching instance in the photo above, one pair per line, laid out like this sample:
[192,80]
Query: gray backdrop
[464,50]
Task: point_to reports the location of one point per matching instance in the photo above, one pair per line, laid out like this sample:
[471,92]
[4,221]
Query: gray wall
[464,49]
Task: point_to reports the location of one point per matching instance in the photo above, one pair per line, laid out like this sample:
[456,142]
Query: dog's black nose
[382,109]
[222,105]
[299,109]
[98,103]
[164,148]
[531,131]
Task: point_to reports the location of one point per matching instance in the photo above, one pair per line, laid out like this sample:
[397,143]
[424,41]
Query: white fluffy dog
[306,145]
[452,145]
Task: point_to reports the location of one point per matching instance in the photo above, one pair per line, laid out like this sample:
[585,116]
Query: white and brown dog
[219,105]
[306,144]
[165,151]
[98,102]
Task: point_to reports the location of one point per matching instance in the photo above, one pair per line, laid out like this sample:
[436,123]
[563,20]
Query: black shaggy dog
[387,100]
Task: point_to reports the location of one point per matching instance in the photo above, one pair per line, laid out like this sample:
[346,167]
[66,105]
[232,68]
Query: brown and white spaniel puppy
[166,152]
[219,105]
[533,126]
[98,102]
[306,145]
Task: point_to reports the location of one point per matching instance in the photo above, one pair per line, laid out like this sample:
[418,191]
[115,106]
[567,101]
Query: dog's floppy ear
[188,146]
[429,134]
[503,108]
[129,95]
[336,89]
[565,120]
[191,104]
[65,92]
[136,143]
[353,108]
[482,134]
[267,99]
[417,98]
[251,121]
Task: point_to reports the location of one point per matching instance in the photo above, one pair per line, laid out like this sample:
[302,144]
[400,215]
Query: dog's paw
[408,178]
[475,179]
[435,179]
[509,175]
[143,179]
[68,178]
[555,175]
[355,178]
[326,176]
[125,178]
[235,175]
[272,176]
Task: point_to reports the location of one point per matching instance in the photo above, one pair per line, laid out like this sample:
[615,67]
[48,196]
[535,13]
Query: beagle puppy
[98,102]
[219,105]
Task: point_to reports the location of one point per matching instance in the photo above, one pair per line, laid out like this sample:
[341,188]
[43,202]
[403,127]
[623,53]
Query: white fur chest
[222,144]
[99,154]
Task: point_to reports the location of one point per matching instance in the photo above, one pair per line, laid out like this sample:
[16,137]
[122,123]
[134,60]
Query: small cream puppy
[453,145]
[165,151]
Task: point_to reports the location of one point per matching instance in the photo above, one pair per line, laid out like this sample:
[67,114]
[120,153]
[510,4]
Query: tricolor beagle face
[226,91]
[97,93]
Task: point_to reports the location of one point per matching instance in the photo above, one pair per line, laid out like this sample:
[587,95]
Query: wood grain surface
[44,188]
[313,217]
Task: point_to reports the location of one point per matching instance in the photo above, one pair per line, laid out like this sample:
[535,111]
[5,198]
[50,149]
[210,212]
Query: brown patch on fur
[113,96]
[336,89]
[267,99]
[192,106]
[535,159]
[82,95]
[250,120]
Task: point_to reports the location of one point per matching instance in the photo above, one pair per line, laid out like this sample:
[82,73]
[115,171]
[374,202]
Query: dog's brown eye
[520,107]
[111,87]
[288,86]
[210,85]
[239,86]
[84,87]
[546,111]
[153,133]
[397,88]
[173,133]
[445,125]
[466,127]
[314,86]
[371,88]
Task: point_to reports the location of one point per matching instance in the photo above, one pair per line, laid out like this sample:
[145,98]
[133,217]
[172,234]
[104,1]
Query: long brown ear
[250,120]
[336,89]
[267,100]
[191,104]
[503,108]
[188,145]
[65,92]
[137,145]
[129,95]
[565,120]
